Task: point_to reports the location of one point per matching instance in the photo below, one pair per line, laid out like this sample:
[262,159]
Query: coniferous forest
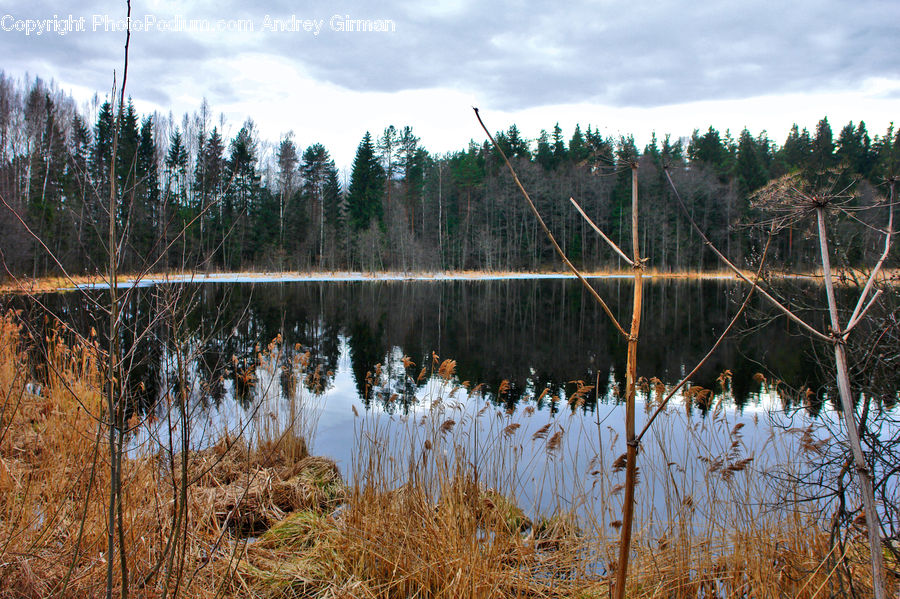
[194,197]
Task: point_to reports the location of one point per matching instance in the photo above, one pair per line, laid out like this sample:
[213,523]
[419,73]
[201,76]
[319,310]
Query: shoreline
[52,284]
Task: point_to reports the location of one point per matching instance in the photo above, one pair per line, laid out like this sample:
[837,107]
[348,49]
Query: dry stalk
[549,234]
[800,203]
[630,381]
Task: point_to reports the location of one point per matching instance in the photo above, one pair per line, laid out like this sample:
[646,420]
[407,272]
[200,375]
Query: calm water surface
[527,342]
[358,362]
[533,334]
[532,394]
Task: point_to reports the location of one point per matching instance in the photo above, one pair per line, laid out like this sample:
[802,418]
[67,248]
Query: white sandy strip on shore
[344,276]
[263,277]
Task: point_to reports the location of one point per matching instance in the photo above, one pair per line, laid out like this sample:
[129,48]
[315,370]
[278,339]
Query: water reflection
[526,355]
[539,340]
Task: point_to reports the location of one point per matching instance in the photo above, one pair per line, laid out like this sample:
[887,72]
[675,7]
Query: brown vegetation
[417,519]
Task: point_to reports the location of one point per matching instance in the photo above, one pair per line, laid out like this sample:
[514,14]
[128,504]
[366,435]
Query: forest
[194,199]
[125,468]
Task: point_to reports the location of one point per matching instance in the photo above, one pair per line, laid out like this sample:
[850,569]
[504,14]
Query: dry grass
[429,512]
[54,484]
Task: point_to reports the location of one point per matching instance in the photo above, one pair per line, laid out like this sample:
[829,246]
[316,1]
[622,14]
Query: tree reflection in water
[523,340]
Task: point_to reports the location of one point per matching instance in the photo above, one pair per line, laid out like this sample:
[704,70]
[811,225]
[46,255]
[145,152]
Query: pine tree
[316,169]
[544,153]
[367,184]
[578,147]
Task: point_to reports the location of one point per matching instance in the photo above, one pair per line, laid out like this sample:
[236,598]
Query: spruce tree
[795,152]
[578,148]
[822,157]
[146,193]
[367,184]
[209,174]
[560,153]
[241,193]
[287,160]
[751,171]
[126,152]
[518,145]
[544,153]
[710,149]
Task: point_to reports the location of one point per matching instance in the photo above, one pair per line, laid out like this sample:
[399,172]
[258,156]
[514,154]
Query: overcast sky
[635,67]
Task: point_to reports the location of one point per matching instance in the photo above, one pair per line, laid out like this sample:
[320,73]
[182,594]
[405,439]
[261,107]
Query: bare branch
[601,233]
[856,320]
[737,271]
[684,381]
[559,250]
[857,315]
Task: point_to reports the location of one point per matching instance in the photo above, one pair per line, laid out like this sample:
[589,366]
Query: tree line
[192,198]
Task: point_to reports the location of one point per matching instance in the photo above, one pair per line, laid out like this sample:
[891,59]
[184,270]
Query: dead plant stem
[848,413]
[630,383]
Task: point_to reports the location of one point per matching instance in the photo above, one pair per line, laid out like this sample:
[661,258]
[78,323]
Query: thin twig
[601,233]
[858,317]
[559,250]
[712,350]
[854,318]
[737,271]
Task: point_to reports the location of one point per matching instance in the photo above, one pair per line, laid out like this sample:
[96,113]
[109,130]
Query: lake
[520,379]
[526,335]
[375,347]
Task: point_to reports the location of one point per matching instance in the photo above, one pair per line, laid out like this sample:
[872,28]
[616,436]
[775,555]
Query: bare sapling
[631,337]
[114,373]
[630,381]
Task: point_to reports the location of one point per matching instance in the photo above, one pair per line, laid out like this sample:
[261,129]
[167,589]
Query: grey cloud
[90,57]
[616,54]
[517,55]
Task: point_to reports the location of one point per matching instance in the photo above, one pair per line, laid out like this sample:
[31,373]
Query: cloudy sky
[664,66]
